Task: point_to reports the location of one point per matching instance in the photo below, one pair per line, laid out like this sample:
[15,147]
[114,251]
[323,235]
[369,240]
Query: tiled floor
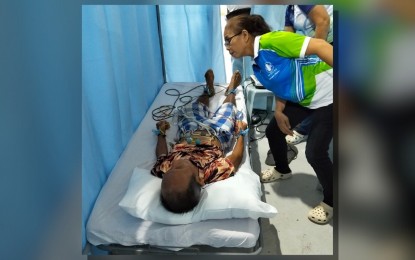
[290,232]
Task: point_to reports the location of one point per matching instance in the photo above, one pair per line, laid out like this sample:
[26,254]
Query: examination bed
[111,228]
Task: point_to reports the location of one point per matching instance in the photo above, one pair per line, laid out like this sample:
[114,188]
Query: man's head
[181,186]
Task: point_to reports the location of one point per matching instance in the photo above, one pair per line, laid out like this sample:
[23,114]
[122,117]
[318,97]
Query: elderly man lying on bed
[199,156]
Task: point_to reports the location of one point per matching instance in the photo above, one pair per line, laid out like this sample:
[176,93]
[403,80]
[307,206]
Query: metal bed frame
[146,249]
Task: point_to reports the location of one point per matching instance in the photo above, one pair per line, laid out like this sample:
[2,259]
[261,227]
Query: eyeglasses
[228,40]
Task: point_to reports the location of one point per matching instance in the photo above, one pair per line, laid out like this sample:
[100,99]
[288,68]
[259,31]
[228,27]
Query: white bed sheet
[109,223]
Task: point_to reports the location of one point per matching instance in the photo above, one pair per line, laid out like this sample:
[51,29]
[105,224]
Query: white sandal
[296,138]
[270,175]
[321,214]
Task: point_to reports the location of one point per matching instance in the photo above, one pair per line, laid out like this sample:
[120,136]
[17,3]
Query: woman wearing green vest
[298,70]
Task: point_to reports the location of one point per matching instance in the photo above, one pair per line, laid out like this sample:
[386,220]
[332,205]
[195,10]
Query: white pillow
[236,197]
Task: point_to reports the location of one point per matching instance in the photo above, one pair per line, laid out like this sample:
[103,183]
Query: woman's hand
[283,123]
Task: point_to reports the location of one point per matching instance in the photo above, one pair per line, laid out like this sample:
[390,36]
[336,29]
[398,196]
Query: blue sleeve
[289,16]
[306,8]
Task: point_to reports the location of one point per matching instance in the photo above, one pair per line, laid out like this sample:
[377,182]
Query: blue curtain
[121,75]
[122,72]
[192,42]
[274,15]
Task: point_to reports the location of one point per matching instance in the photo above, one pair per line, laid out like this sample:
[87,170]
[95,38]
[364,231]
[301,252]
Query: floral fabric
[208,159]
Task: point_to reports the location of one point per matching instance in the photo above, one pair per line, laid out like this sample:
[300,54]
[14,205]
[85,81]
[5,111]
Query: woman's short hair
[254,24]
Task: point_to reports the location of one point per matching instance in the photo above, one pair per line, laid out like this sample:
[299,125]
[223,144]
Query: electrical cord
[166,111]
[245,87]
[261,123]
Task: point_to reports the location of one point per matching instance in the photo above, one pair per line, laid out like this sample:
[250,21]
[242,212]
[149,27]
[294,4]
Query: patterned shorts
[197,116]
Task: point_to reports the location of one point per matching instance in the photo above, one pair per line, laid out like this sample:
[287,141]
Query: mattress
[109,224]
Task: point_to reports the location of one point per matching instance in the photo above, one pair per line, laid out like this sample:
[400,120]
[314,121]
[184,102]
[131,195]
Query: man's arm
[238,151]
[161,147]
[321,19]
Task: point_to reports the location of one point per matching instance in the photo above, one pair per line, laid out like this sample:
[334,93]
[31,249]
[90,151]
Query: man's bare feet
[209,76]
[235,82]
